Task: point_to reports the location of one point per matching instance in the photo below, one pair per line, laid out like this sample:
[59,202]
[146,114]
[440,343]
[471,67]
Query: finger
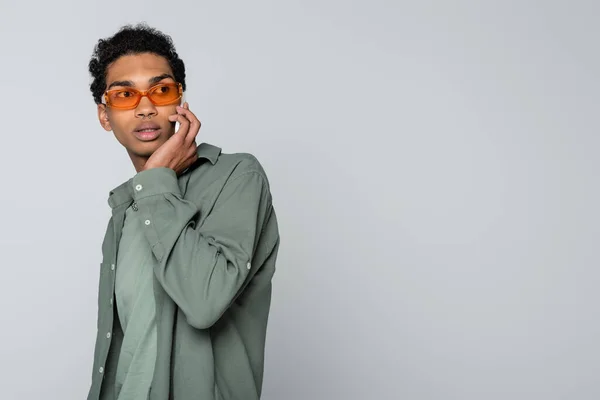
[192,153]
[188,160]
[195,124]
[188,114]
[184,125]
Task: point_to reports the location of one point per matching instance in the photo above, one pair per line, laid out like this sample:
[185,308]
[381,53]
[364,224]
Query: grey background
[433,166]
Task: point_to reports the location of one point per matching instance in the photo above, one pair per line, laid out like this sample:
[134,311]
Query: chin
[144,149]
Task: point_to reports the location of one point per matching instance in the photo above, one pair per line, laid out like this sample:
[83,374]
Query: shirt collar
[208,152]
[124,192]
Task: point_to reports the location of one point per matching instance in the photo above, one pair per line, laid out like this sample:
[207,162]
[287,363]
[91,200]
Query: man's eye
[124,93]
[163,89]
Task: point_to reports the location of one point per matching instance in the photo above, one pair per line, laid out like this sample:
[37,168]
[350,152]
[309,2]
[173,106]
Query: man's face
[139,71]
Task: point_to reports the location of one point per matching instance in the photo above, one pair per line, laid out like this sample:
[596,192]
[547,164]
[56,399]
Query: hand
[179,151]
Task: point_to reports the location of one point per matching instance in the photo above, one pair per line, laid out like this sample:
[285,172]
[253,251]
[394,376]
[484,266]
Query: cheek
[166,113]
[121,128]
[169,110]
[115,119]
[118,129]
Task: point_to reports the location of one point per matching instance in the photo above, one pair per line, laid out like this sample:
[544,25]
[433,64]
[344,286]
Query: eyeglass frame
[144,93]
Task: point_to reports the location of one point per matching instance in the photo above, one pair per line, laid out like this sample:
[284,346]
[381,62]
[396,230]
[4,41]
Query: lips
[147,131]
[147,126]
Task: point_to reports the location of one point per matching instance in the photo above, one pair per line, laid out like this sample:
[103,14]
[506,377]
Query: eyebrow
[151,81]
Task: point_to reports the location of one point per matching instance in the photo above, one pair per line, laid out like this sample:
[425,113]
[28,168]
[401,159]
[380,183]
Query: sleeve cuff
[155,181]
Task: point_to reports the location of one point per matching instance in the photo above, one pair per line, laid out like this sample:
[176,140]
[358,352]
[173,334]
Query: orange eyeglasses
[129,98]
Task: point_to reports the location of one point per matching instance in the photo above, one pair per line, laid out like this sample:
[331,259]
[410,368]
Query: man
[190,249]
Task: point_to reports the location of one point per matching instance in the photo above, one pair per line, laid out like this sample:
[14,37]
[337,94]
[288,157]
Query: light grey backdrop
[433,167]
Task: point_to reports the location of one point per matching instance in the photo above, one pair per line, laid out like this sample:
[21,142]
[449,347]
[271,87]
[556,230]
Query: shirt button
[248,265]
[101,370]
[112,267]
[138,187]
[147,222]
[134,207]
[108,335]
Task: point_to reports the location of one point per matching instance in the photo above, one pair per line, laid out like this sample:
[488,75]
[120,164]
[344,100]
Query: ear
[103,117]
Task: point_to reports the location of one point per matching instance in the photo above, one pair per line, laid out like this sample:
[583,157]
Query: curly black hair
[132,40]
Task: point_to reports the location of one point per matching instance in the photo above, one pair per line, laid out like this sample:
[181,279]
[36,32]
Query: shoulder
[224,168]
[242,164]
[235,165]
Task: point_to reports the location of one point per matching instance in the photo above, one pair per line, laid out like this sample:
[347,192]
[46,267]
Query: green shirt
[214,236]
[134,294]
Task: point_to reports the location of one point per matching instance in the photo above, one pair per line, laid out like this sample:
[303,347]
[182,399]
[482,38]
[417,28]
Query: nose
[145,108]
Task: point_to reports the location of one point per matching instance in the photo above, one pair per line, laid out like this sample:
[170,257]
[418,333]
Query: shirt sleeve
[202,268]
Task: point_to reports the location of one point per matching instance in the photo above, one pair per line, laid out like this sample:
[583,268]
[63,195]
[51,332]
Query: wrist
[154,181]
[149,166]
